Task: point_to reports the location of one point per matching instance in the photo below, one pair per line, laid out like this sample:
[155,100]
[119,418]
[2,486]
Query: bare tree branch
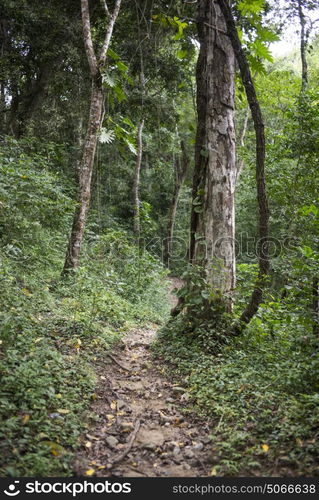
[104,4]
[90,53]
[109,31]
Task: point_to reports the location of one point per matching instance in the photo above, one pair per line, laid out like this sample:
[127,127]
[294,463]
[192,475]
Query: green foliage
[260,391]
[254,34]
[204,322]
[171,22]
[52,331]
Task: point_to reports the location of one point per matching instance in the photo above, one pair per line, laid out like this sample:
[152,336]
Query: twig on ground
[118,363]
[129,445]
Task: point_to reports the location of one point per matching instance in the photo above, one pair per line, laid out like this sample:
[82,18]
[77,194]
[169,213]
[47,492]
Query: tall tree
[97,63]
[181,168]
[136,182]
[213,215]
[263,242]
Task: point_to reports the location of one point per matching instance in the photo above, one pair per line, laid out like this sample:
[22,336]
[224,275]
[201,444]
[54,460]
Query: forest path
[140,430]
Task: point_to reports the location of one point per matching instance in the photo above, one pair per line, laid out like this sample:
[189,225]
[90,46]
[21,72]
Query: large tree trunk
[212,243]
[136,183]
[36,93]
[180,170]
[263,242]
[85,177]
[96,64]
[25,104]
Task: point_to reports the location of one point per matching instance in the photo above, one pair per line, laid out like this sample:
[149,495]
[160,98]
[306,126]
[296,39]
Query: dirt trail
[140,430]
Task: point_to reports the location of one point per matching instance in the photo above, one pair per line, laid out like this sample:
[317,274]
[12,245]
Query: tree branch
[108,34]
[90,53]
[104,5]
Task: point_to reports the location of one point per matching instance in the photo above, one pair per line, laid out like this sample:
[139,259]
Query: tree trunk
[241,163]
[85,177]
[36,92]
[96,65]
[303,48]
[315,305]
[180,175]
[136,184]
[212,244]
[263,243]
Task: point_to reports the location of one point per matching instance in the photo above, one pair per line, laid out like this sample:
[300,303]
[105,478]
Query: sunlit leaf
[89,472]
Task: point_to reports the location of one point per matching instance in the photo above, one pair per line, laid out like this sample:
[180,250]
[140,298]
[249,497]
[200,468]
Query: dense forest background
[60,313]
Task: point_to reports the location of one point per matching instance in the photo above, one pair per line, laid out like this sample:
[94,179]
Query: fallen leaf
[213,472]
[88,444]
[89,472]
[55,448]
[25,419]
[265,448]
[113,405]
[63,411]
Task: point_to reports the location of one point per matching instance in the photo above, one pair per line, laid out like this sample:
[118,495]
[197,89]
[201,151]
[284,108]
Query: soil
[139,427]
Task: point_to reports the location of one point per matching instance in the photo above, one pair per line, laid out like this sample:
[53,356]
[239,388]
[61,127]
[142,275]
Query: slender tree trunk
[96,64]
[136,183]
[212,244]
[315,305]
[85,178]
[181,167]
[13,121]
[263,243]
[241,163]
[303,48]
[3,108]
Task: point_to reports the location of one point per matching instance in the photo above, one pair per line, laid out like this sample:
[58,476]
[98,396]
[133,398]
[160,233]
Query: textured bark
[94,124]
[263,242]
[136,183]
[181,168]
[212,243]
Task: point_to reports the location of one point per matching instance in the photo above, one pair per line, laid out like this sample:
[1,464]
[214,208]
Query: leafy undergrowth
[53,330]
[260,391]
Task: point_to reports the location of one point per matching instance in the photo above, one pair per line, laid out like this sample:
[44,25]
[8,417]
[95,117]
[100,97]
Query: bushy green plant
[259,390]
